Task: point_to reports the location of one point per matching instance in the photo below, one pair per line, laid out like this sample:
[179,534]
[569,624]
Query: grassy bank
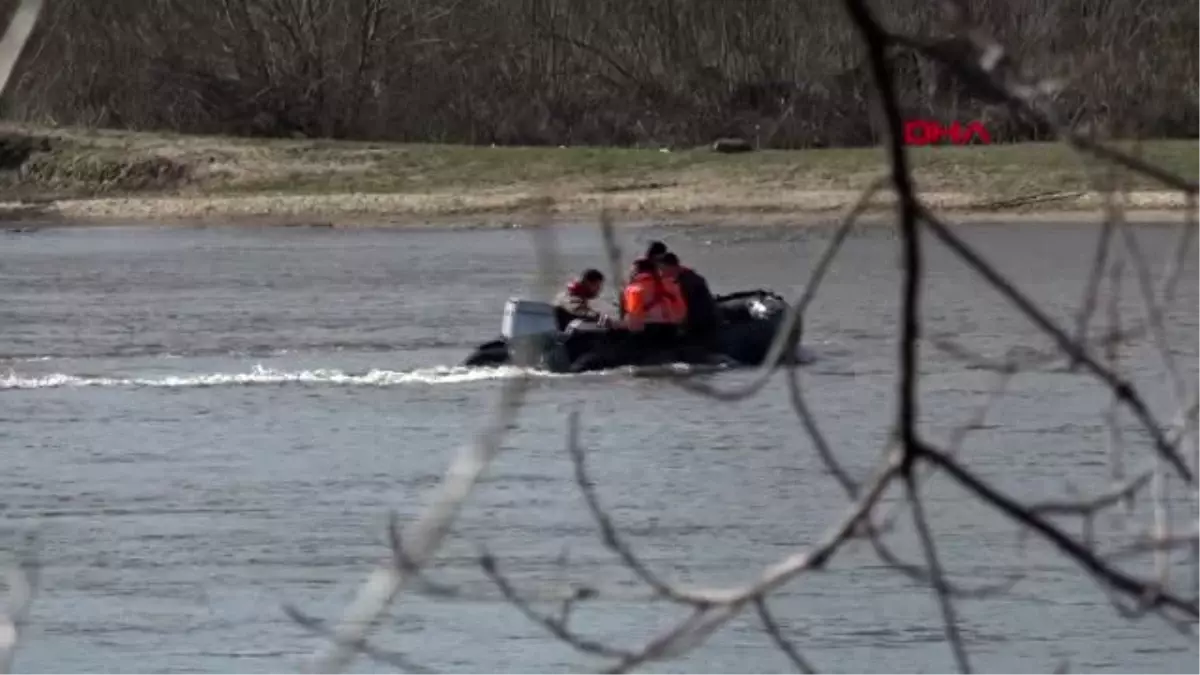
[102,175]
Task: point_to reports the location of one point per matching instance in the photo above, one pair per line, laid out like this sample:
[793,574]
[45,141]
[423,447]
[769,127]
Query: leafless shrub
[910,458]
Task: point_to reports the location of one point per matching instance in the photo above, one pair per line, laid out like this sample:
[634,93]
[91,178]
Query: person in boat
[573,309]
[653,306]
[701,315]
[655,251]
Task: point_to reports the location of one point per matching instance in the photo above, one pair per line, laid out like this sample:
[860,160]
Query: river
[204,424]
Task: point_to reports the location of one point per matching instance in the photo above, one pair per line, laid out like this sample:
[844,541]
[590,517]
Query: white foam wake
[260,376]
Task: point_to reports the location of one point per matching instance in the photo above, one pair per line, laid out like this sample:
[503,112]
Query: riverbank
[105,177]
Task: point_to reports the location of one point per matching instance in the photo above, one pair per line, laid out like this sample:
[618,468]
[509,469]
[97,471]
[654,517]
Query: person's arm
[579,308]
[705,290]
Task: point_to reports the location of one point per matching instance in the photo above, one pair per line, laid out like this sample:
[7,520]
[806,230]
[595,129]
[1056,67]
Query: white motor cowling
[526,318]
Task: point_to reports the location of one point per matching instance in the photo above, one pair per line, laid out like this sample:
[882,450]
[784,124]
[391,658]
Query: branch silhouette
[22,576]
[910,452]
[909,459]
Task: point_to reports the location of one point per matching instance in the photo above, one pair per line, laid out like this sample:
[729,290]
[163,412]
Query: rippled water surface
[205,424]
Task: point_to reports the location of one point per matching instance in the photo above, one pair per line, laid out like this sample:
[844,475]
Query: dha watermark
[932,132]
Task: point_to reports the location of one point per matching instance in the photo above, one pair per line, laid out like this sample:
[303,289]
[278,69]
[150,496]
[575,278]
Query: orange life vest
[651,299]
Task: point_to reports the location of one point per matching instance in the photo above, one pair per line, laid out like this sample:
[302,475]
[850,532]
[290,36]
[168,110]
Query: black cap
[643,265]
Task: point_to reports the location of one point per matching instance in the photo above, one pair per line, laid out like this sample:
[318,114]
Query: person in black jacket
[655,251]
[702,315]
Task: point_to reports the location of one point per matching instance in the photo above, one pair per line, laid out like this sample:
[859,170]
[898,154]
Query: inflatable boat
[530,337]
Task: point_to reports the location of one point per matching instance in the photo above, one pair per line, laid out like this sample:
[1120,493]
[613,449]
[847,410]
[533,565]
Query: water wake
[269,376]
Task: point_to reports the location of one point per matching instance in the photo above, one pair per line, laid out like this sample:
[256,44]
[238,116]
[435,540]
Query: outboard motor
[529,327]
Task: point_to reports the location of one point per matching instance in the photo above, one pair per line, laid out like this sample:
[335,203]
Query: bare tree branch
[556,627]
[22,584]
[608,530]
[785,334]
[428,532]
[949,615]
[23,576]
[781,641]
[16,36]
[1077,552]
[318,627]
[1120,387]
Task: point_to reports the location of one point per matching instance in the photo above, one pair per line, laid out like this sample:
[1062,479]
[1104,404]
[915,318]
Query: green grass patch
[85,163]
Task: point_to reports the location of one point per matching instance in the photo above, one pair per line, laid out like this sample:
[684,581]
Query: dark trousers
[701,335]
[655,338]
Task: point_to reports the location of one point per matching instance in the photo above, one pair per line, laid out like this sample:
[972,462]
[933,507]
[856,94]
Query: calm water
[205,424]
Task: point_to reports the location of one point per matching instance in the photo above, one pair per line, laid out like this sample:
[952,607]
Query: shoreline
[409,211]
[65,177]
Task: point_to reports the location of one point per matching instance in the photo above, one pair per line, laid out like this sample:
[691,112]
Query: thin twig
[1088,507]
[719,606]
[608,530]
[1158,331]
[1120,387]
[22,579]
[1115,438]
[318,627]
[556,627]
[949,616]
[908,211]
[1076,551]
[795,313]
[428,532]
[824,451]
[1030,360]
[1092,287]
[16,36]
[785,645]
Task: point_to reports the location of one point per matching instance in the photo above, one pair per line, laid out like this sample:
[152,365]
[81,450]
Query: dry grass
[85,175]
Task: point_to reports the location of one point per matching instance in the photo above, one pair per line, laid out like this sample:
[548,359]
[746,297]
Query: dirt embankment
[81,177]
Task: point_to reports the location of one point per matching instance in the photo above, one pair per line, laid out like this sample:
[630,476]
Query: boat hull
[750,322]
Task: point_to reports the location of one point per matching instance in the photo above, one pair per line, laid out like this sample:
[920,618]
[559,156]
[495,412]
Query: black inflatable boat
[749,321]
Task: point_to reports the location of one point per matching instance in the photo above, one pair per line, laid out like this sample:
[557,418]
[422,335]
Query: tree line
[781,73]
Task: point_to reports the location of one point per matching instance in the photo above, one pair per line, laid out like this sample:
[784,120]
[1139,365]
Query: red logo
[929,132]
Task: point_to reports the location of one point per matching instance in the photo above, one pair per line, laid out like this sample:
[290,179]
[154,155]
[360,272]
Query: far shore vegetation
[81,176]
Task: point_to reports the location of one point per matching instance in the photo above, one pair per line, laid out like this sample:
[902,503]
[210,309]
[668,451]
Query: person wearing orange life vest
[656,252]
[652,306]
